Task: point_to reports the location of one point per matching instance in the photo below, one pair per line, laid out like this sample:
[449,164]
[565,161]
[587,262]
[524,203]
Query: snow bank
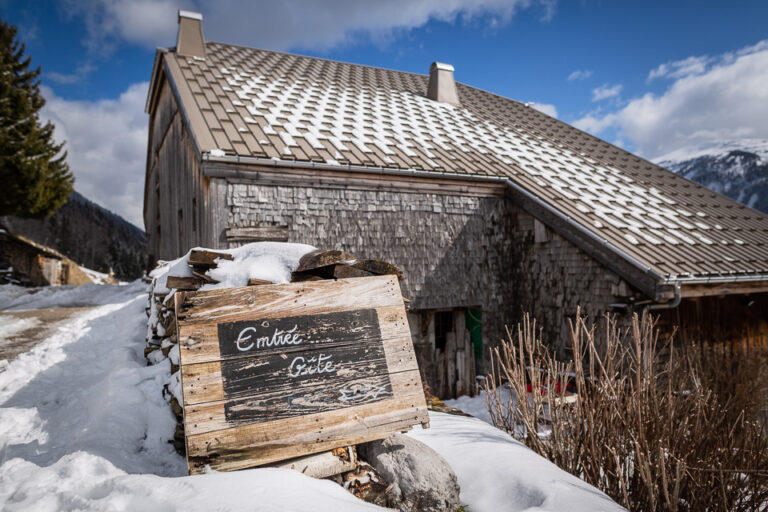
[19,297]
[477,405]
[81,481]
[14,326]
[497,472]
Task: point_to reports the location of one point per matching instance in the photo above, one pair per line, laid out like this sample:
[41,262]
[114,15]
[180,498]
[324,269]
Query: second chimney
[442,86]
[190,41]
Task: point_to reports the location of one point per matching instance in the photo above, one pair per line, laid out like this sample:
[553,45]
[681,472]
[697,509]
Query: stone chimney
[190,41]
[442,86]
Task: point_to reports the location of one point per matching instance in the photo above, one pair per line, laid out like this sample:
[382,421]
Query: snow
[82,481]
[14,326]
[85,424]
[95,276]
[217,152]
[497,472]
[14,297]
[476,405]
[270,261]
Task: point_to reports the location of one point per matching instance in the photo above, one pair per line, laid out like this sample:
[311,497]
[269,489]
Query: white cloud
[606,91]
[680,68]
[106,145]
[546,108]
[580,74]
[80,74]
[726,100]
[276,25]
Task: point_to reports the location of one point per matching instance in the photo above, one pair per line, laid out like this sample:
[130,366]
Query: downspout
[672,304]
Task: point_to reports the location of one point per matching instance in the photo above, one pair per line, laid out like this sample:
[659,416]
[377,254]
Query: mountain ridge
[737,169]
[89,234]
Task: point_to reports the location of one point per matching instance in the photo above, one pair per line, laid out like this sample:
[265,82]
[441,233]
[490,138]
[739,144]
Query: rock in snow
[421,479]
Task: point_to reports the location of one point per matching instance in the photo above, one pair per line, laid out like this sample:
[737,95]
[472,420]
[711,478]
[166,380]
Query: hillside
[737,169]
[90,235]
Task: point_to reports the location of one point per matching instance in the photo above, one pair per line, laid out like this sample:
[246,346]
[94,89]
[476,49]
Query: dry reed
[647,424]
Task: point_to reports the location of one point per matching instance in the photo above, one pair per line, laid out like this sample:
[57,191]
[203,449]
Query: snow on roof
[286,107]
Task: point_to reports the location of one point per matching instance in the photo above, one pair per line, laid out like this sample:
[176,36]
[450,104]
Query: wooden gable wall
[176,215]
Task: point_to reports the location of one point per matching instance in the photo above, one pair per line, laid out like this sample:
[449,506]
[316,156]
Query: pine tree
[34,176]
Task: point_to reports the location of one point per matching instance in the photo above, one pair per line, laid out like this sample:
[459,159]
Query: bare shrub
[644,426]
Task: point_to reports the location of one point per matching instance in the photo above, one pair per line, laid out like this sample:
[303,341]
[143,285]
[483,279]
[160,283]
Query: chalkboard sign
[279,371]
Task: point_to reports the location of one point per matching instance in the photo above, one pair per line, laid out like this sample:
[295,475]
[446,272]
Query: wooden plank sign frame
[274,372]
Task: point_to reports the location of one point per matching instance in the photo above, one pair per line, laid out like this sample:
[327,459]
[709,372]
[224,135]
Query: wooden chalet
[490,207]
[27,263]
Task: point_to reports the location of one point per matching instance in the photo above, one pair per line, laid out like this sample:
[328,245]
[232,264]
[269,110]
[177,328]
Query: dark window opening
[443,325]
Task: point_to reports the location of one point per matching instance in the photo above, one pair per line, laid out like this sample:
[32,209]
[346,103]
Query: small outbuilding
[27,263]
[490,207]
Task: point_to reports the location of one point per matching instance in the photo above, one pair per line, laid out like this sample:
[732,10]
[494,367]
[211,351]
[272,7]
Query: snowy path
[83,426]
[22,330]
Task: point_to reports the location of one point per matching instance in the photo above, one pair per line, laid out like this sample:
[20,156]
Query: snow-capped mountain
[737,169]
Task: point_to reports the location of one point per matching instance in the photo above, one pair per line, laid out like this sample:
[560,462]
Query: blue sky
[651,76]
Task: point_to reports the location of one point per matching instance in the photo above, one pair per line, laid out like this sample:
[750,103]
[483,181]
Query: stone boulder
[420,479]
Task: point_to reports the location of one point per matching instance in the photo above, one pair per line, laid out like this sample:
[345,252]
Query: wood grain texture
[258,234]
[245,402]
[206,258]
[184,283]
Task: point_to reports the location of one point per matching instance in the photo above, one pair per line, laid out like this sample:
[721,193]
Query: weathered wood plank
[279,371]
[281,404]
[319,259]
[282,439]
[258,282]
[298,277]
[349,271]
[207,258]
[257,234]
[231,304]
[324,464]
[202,276]
[378,267]
[184,283]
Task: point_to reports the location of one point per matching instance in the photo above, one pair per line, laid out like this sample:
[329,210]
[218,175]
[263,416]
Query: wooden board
[257,234]
[206,258]
[275,372]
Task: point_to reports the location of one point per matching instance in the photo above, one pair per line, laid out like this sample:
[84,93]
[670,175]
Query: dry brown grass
[651,426]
